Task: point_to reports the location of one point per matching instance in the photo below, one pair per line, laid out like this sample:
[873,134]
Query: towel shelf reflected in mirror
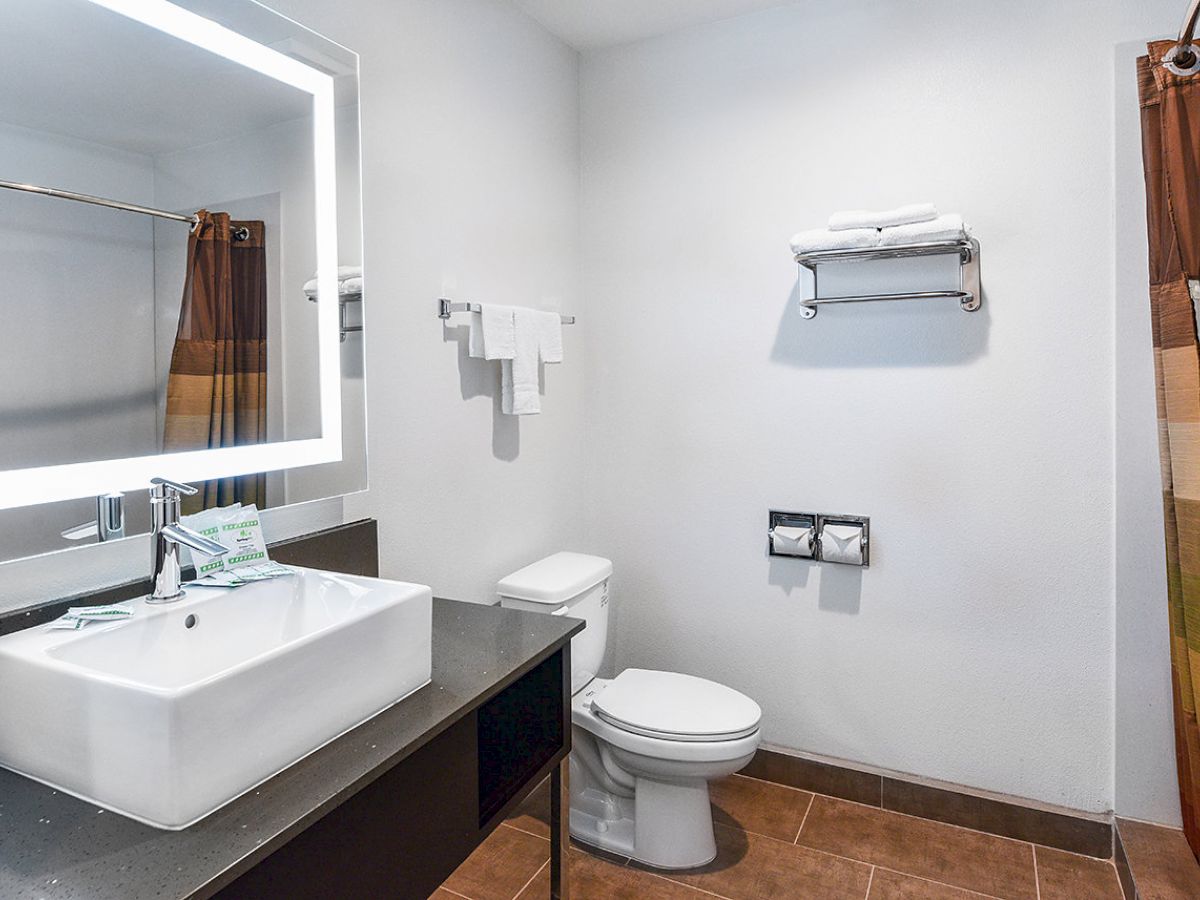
[969,293]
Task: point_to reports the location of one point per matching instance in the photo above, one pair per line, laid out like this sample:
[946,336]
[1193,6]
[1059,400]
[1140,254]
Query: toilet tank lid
[556,579]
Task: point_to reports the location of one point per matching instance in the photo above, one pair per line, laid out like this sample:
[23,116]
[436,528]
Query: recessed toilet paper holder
[809,546]
[804,546]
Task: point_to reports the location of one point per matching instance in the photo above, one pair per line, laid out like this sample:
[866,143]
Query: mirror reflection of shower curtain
[217,387]
[1170,135]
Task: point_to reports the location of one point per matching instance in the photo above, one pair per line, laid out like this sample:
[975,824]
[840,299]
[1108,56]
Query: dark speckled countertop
[56,847]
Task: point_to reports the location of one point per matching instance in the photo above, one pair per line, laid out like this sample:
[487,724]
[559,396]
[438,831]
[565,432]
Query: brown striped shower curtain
[1171,155]
[217,388]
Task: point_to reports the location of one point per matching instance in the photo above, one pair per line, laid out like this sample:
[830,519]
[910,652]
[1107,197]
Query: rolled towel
[822,239]
[949,227]
[888,218]
[350,284]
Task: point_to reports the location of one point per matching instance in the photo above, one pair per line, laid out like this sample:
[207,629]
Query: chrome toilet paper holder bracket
[817,522]
[792,520]
[862,522]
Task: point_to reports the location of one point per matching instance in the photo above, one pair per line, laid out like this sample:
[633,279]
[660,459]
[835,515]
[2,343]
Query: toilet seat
[670,706]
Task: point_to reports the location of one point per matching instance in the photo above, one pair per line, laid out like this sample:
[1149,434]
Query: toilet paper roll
[842,544]
[790,541]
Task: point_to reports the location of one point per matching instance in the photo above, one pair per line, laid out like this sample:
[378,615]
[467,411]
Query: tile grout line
[455,893]
[1037,881]
[670,880]
[932,881]
[779,784]
[509,824]
[811,800]
[870,881]
[531,880]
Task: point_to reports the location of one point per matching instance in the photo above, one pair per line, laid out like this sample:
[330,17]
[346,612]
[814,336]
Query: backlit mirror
[181,282]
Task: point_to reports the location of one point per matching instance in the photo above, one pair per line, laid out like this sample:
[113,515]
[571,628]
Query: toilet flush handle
[561,611]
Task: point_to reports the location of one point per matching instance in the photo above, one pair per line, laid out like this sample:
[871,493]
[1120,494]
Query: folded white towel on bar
[492,332]
[538,340]
[818,239]
[949,227]
[887,218]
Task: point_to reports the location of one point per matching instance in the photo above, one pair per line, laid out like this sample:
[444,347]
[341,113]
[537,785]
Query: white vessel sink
[169,715]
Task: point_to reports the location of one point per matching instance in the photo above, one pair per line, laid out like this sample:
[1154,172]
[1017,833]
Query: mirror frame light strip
[46,484]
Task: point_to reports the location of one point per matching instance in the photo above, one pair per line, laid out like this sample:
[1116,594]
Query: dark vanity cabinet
[404,833]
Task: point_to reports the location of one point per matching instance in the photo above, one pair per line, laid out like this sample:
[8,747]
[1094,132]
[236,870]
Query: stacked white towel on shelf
[522,339]
[861,229]
[887,218]
[818,239]
[949,227]
[350,281]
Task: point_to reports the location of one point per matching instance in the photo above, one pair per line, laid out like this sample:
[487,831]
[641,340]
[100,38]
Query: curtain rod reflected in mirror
[240,234]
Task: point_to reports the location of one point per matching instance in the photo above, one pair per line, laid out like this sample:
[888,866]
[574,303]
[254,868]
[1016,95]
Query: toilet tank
[567,584]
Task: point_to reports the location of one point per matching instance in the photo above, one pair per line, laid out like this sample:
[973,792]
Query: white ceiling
[589,24]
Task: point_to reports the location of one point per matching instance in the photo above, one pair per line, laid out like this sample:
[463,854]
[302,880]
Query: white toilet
[645,744]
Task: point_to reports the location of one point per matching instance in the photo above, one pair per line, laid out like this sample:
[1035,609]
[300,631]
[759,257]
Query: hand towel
[538,340]
[949,227]
[519,374]
[888,218]
[491,334]
[822,239]
[550,344]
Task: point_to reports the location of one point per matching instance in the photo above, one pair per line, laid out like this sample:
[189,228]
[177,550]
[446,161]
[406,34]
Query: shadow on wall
[481,378]
[839,587]
[886,333]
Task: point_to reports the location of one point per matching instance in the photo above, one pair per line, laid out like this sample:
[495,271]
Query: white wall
[978,648]
[1145,782]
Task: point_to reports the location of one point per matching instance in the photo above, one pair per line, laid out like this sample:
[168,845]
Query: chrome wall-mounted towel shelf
[343,328]
[447,307]
[969,294]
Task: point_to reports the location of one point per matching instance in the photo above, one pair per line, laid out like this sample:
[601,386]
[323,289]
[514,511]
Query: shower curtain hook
[1184,57]
[195,224]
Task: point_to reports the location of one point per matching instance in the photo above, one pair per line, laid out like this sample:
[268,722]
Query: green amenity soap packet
[78,616]
[232,578]
[241,531]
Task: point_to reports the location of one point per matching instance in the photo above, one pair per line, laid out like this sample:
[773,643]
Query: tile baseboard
[1005,818]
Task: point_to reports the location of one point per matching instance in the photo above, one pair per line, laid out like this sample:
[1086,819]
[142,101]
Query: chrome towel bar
[448,307]
[969,293]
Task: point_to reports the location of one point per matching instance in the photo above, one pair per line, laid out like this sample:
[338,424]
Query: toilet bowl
[646,743]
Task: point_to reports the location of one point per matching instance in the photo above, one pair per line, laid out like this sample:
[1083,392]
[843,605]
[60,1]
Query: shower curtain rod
[193,221]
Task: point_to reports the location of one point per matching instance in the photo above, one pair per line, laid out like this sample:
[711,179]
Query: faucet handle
[164,485]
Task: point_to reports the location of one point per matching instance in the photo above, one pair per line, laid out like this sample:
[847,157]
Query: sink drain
[190,622]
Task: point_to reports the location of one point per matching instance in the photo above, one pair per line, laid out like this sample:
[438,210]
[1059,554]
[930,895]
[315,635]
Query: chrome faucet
[167,537]
[109,524]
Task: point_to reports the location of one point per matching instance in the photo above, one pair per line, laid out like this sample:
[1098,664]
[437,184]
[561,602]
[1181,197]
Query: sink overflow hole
[190,622]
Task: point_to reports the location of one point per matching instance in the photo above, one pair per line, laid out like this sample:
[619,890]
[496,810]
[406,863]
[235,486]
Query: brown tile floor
[775,843]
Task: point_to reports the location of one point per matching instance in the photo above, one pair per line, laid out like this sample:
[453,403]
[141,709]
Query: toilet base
[666,825]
